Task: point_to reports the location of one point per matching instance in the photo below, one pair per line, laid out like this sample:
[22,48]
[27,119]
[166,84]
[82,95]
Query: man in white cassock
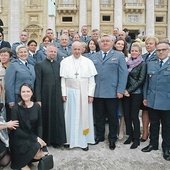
[78,85]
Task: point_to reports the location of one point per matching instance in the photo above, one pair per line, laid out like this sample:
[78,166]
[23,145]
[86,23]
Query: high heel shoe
[144,140]
[135,144]
[129,140]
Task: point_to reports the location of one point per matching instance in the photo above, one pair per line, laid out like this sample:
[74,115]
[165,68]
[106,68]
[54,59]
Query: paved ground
[100,157]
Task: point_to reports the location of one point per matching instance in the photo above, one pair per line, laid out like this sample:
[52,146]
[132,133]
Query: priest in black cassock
[48,95]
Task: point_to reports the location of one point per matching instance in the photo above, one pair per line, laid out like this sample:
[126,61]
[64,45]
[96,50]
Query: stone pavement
[100,157]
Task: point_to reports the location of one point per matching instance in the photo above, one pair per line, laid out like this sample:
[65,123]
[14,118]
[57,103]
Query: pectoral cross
[76,74]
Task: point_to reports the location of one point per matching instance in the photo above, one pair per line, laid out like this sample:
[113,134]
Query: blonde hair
[136,44]
[152,38]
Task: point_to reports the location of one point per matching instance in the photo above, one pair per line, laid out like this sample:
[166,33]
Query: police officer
[157,98]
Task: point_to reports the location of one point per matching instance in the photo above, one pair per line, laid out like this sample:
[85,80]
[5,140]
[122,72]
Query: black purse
[46,163]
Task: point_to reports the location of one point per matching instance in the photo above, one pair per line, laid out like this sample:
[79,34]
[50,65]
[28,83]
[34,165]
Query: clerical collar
[49,60]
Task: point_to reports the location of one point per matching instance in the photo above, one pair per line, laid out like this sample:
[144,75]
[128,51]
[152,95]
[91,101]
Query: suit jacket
[157,85]
[88,54]
[62,53]
[5,44]
[40,55]
[82,39]
[112,74]
[153,57]
[32,59]
[17,74]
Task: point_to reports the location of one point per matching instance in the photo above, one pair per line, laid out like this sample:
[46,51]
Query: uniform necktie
[104,55]
[160,63]
[26,64]
[85,38]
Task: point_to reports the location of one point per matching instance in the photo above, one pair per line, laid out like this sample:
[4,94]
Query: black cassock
[48,91]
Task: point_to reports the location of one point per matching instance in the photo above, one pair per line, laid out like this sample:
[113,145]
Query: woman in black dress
[25,142]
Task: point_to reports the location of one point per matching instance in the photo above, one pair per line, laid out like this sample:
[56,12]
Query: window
[105,18]
[67,1]
[105,2]
[159,19]
[132,1]
[158,2]
[67,19]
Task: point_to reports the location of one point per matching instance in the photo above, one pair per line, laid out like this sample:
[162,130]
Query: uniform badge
[114,59]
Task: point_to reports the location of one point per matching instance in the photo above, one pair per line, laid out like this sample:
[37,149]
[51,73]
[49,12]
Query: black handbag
[46,163]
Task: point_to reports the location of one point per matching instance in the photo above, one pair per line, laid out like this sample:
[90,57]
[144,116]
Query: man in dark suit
[157,98]
[2,42]
[151,55]
[110,86]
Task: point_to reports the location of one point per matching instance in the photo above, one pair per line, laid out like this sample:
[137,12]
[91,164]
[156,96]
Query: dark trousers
[109,106]
[131,107]
[157,117]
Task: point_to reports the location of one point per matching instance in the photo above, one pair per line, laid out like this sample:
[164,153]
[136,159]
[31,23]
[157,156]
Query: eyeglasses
[4,55]
[163,50]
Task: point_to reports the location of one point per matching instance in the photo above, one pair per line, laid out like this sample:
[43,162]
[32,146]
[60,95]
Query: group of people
[62,94]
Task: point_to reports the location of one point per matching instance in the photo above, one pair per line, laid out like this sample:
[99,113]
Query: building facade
[148,17]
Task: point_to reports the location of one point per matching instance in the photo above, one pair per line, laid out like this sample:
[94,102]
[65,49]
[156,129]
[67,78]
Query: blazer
[5,44]
[112,74]
[17,74]
[40,55]
[153,57]
[157,86]
[62,53]
[88,54]
[32,59]
[82,39]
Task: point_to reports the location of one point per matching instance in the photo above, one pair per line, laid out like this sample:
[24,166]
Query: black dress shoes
[112,145]
[128,141]
[135,144]
[97,140]
[85,149]
[166,155]
[149,148]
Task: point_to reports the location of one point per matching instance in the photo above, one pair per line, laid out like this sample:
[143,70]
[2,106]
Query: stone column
[150,18]
[82,14]
[168,30]
[51,18]
[14,21]
[95,14]
[118,14]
